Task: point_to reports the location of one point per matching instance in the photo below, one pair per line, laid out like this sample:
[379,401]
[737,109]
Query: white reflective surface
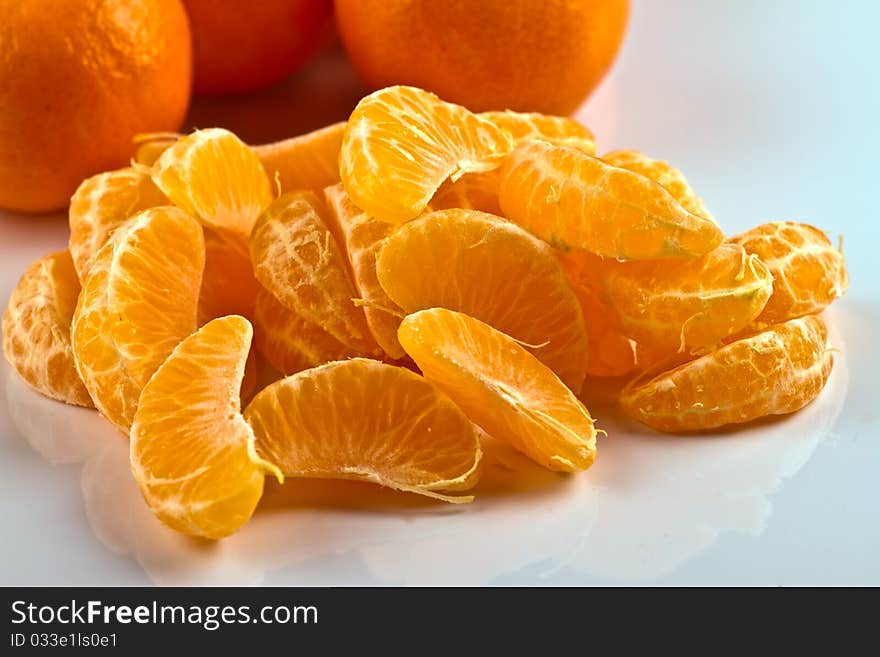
[770,108]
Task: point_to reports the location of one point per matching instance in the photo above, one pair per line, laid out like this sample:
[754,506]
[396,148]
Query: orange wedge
[365,420]
[138,301]
[492,270]
[36,329]
[501,387]
[309,161]
[402,143]
[192,453]
[229,286]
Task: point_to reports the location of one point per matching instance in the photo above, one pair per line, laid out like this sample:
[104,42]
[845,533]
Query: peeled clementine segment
[552,129]
[501,387]
[150,146]
[36,329]
[215,177]
[192,453]
[772,372]
[289,342]
[361,236]
[808,272]
[490,269]
[362,419]
[138,301]
[573,200]
[663,173]
[401,143]
[479,191]
[297,259]
[686,305]
[101,204]
[229,286]
[309,161]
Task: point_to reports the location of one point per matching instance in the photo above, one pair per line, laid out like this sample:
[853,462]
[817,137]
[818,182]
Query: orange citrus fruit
[611,352]
[138,301]
[215,177]
[297,259]
[402,143]
[662,173]
[362,236]
[80,79]
[192,453]
[808,272]
[772,372]
[493,54]
[501,387]
[101,204]
[687,305]
[241,47]
[289,342]
[36,329]
[479,191]
[362,419]
[490,269]
[573,200]
[229,286]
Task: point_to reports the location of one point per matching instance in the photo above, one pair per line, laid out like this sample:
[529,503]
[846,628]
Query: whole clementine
[525,55]
[242,46]
[78,79]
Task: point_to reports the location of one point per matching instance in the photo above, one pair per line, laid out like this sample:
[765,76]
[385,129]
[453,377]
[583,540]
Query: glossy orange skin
[78,79]
[240,45]
[525,55]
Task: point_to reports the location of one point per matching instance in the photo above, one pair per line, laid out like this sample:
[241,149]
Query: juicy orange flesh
[229,286]
[289,342]
[309,161]
[189,442]
[773,372]
[808,272]
[36,329]
[362,237]
[296,257]
[402,143]
[572,200]
[501,387]
[138,302]
[492,270]
[217,178]
[101,204]
[362,419]
[686,305]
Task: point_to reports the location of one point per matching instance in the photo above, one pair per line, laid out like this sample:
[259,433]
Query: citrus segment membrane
[101,204]
[401,143]
[362,236]
[229,286]
[490,269]
[573,200]
[772,372]
[309,161]
[808,272]
[297,258]
[215,177]
[501,387]
[192,453]
[137,303]
[36,329]
[365,420]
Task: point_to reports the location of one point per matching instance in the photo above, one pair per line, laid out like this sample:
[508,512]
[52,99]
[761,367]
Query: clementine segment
[365,420]
[36,329]
[229,286]
[402,143]
[192,453]
[309,161]
[101,204]
[573,200]
[808,272]
[492,270]
[215,177]
[297,259]
[501,387]
[772,372]
[362,236]
[138,301]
